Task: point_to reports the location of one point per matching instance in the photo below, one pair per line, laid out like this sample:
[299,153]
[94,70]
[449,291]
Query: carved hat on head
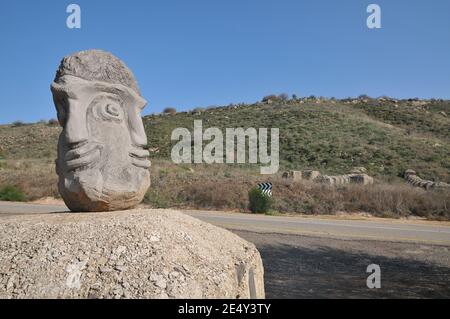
[97,65]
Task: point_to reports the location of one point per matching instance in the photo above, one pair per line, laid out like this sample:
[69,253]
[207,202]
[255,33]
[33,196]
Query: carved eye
[107,109]
[112,110]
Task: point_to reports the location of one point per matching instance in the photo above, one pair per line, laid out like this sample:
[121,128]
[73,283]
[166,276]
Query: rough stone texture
[326,179]
[102,164]
[357,177]
[293,176]
[362,179]
[97,65]
[358,170]
[310,175]
[413,179]
[132,254]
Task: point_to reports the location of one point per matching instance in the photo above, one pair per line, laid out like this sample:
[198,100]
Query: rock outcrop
[294,176]
[362,179]
[413,179]
[297,176]
[132,254]
[358,176]
[358,170]
[310,175]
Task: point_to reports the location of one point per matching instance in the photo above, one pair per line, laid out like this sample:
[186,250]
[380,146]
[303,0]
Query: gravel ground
[130,254]
[317,267]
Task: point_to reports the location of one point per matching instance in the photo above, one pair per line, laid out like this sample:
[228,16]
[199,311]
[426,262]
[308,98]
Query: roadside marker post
[266,188]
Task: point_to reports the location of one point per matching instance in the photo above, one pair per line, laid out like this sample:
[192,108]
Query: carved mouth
[139,158]
[82,156]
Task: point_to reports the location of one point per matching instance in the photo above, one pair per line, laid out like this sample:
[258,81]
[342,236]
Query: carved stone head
[102,164]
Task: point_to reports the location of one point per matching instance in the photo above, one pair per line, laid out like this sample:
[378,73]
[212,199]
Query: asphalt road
[371,229]
[307,257]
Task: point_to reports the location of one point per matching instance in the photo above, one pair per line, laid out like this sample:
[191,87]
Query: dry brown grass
[35,178]
[382,200]
[226,188]
[210,187]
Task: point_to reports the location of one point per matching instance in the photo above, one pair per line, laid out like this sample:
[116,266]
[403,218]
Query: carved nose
[137,129]
[75,128]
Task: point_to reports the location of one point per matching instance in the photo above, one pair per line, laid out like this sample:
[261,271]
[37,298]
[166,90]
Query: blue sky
[194,53]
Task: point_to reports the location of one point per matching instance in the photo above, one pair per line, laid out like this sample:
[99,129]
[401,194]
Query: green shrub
[260,203]
[199,109]
[283,97]
[12,194]
[155,199]
[272,98]
[18,123]
[170,110]
[52,122]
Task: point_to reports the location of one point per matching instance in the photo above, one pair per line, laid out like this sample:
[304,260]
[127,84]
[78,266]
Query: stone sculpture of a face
[102,164]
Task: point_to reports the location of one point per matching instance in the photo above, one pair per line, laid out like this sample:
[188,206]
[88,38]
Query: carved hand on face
[100,151]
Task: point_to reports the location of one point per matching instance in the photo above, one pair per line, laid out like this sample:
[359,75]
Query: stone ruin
[294,176]
[297,176]
[357,176]
[414,180]
[102,162]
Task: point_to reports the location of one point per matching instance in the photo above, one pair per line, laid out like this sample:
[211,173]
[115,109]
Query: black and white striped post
[265,188]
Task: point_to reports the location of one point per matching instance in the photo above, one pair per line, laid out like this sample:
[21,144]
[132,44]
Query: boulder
[410,172]
[310,175]
[125,254]
[325,179]
[413,179]
[294,176]
[362,179]
[358,170]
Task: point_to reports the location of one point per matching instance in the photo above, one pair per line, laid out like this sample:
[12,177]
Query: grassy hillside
[385,136]
[385,139]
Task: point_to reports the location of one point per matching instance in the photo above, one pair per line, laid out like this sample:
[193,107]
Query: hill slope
[386,137]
